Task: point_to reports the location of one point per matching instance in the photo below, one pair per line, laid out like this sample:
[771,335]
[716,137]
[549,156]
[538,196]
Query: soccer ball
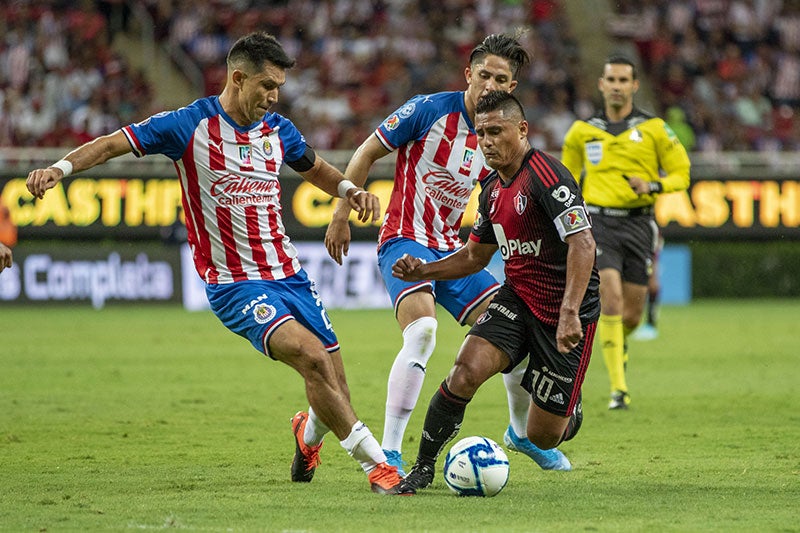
[476,466]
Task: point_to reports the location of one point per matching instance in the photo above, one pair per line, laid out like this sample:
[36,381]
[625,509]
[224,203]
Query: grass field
[155,418]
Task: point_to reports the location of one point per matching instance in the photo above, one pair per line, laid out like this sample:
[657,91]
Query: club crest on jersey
[267,147]
[594,152]
[392,122]
[263,313]
[466,160]
[520,203]
[407,110]
[483,318]
[244,155]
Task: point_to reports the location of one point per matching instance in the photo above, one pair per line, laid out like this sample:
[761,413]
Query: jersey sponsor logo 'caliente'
[442,187]
[233,185]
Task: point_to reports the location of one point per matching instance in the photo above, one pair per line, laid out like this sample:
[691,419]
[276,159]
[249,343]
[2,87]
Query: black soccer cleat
[619,401]
[420,476]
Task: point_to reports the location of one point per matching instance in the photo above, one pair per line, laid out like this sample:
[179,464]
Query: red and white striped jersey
[438,165]
[230,187]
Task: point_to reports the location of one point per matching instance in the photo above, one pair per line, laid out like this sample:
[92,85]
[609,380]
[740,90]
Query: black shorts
[553,379]
[626,244]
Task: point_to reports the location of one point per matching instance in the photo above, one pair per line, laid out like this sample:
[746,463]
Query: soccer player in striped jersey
[438,166]
[228,151]
[531,209]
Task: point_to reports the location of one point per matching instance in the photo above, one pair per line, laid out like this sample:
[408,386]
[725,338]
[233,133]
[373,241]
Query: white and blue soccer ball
[476,466]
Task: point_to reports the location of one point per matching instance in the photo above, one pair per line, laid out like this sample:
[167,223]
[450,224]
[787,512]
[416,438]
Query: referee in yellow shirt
[624,158]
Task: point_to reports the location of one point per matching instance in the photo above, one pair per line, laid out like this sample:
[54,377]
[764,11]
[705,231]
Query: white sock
[519,400]
[363,447]
[315,429]
[406,378]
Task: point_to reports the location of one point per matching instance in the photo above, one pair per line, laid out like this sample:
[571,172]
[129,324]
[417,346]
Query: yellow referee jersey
[600,154]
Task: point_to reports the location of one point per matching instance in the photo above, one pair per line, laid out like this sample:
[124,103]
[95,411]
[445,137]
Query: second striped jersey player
[439,163]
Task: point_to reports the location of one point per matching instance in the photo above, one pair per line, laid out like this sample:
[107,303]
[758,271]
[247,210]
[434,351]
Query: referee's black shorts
[626,243]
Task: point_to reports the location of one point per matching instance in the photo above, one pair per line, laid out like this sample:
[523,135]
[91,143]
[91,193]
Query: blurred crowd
[60,83]
[725,72]
[711,63]
[358,60]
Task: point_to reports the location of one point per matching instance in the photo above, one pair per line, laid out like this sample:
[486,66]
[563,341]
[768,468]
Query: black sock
[442,422]
[574,423]
[652,309]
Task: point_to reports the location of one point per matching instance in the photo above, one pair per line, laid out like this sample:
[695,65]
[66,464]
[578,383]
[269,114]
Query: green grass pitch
[148,418]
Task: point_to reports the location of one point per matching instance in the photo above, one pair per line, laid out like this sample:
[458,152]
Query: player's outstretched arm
[337,236]
[469,259]
[84,157]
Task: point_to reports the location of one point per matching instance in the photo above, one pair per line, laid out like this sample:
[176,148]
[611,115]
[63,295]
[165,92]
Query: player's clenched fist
[366,204]
[408,268]
[42,179]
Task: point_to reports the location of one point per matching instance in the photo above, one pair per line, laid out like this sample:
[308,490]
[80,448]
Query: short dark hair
[500,100]
[504,46]
[619,59]
[256,48]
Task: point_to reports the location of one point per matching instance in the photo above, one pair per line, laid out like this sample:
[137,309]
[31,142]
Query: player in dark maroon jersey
[531,209]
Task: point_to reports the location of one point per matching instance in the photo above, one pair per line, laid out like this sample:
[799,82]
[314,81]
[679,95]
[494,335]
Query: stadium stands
[711,63]
[732,67]
[60,82]
[360,60]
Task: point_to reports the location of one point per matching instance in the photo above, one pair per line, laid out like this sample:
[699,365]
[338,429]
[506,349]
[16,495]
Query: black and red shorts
[553,379]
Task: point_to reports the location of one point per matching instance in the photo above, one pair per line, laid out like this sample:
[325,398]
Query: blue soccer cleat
[645,332]
[552,459]
[395,458]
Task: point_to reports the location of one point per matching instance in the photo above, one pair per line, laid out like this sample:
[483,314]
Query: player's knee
[631,316]
[631,322]
[314,364]
[465,378]
[419,340]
